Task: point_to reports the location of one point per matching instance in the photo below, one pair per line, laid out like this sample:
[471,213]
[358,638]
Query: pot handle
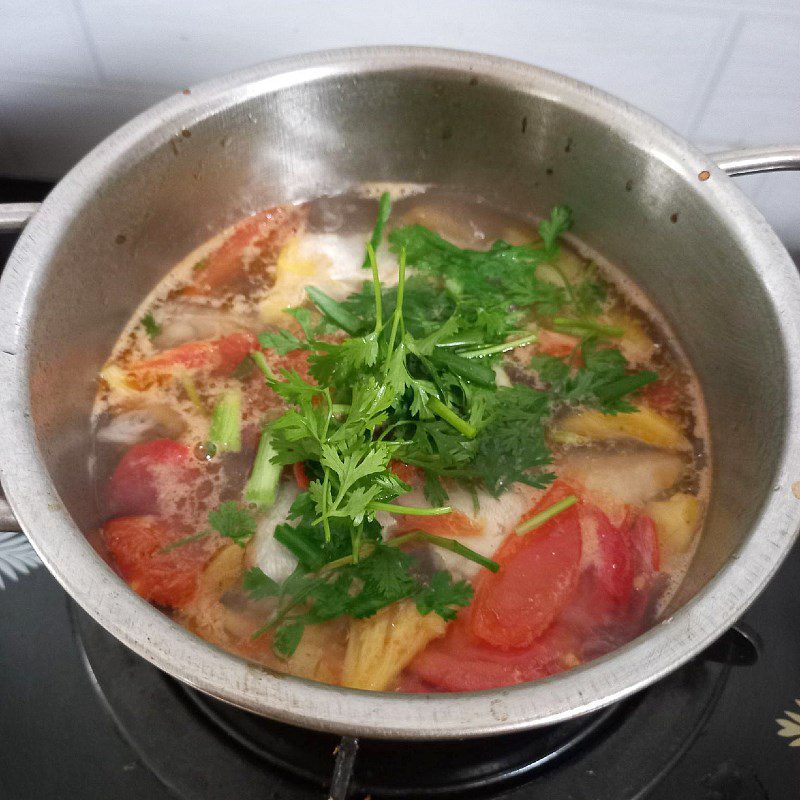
[14,216]
[758,159]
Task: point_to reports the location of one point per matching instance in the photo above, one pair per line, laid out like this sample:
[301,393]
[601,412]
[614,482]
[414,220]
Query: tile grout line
[722,61]
[90,43]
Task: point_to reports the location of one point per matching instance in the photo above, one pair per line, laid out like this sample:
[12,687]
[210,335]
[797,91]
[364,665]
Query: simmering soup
[424,446]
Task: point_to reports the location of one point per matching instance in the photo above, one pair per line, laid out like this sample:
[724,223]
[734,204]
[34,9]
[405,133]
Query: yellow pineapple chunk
[296,267]
[644,425]
[676,522]
[379,648]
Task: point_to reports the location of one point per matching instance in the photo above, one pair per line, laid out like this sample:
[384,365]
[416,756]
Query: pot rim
[68,555]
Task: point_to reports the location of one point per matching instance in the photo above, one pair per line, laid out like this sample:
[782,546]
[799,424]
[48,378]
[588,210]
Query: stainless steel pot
[318,124]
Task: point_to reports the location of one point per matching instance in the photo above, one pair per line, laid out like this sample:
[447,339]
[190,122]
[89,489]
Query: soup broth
[468,455]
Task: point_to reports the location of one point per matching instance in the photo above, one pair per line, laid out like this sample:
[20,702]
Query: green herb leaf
[259,585]
[151,327]
[233,522]
[443,596]
[282,342]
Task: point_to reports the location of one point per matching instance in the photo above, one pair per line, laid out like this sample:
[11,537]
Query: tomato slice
[219,356]
[254,242]
[538,574]
[151,477]
[614,563]
[460,662]
[167,578]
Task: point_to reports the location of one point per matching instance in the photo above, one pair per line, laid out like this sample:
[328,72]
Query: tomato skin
[266,232]
[460,662]
[218,356]
[136,545]
[559,345]
[643,541]
[538,573]
[452,526]
[136,485]
[407,473]
[614,562]
[661,395]
[300,476]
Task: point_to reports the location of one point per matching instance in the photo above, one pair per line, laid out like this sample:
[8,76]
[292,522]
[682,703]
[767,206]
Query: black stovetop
[83,718]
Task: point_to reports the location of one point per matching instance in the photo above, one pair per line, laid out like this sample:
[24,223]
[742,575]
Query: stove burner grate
[202,748]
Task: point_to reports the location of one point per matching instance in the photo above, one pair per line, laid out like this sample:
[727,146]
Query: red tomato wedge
[460,662]
[258,237]
[538,573]
[220,356]
[147,474]
[614,563]
[167,578]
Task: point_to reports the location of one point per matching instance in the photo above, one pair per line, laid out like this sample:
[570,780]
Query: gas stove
[86,719]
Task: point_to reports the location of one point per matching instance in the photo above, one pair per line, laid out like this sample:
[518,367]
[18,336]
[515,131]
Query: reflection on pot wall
[721,72]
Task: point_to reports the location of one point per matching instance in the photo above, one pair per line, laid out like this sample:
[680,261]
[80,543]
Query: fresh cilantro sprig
[233,522]
[410,376]
[603,382]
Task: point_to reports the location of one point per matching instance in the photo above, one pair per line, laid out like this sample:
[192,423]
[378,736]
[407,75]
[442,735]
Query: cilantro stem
[500,348]
[195,537]
[450,416]
[446,544]
[585,327]
[384,209]
[258,359]
[398,310]
[411,511]
[547,514]
[416,536]
[376,284]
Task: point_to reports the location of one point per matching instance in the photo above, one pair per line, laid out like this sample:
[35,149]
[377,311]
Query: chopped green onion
[449,416]
[226,423]
[262,485]
[547,514]
[503,347]
[334,311]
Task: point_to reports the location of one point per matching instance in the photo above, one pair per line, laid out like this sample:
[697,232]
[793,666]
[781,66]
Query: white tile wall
[722,72]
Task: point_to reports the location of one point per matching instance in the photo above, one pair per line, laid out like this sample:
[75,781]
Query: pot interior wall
[523,148]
